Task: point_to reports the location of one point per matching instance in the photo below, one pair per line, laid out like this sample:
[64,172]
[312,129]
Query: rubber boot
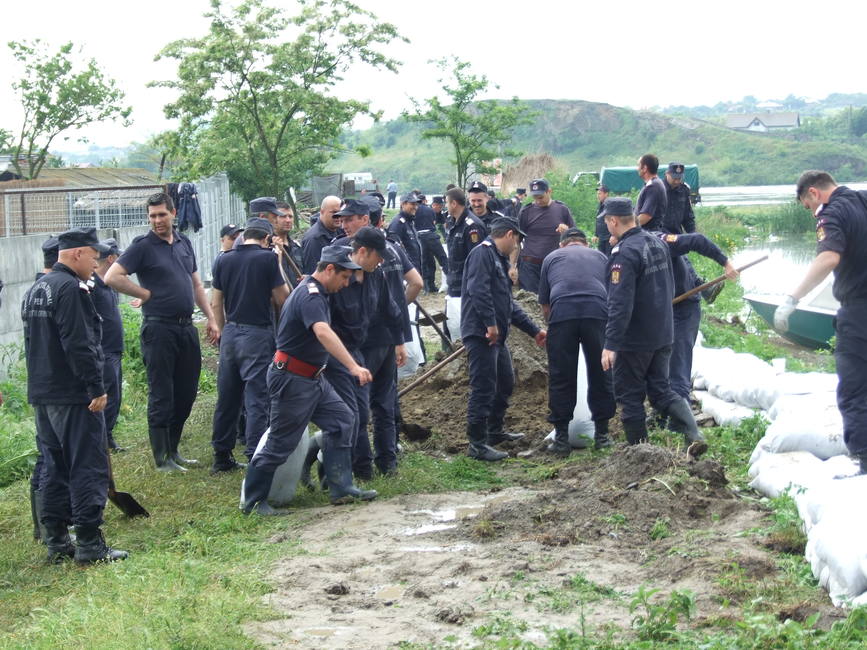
[683,421]
[224,461]
[711,293]
[309,459]
[338,473]
[58,542]
[90,547]
[600,436]
[636,431]
[862,460]
[496,434]
[35,510]
[113,446]
[257,485]
[477,432]
[174,441]
[159,439]
[560,446]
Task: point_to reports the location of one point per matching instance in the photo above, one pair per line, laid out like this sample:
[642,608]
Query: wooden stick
[442,364]
[704,286]
[436,326]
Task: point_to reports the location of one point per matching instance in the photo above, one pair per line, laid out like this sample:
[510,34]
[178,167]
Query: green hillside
[584,136]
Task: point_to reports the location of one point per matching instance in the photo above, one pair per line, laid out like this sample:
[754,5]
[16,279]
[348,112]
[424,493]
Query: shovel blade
[127,504]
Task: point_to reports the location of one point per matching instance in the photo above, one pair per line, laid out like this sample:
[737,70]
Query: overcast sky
[625,53]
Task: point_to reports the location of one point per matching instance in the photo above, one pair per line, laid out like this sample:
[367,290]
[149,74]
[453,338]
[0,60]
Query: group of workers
[314,331]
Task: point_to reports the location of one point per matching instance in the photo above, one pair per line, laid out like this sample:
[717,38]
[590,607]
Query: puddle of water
[426,528]
[390,592]
[467,511]
[436,549]
[322,632]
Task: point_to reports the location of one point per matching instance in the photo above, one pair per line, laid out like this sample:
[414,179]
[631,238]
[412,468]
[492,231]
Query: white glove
[782,313]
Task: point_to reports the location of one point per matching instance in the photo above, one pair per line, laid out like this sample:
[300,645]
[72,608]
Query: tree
[475,129]
[57,97]
[253,94]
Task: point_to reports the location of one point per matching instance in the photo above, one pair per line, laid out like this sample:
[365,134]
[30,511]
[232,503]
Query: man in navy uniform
[106,303]
[247,285]
[426,219]
[841,234]
[320,234]
[465,232]
[640,328]
[301,394]
[401,229]
[679,216]
[652,203]
[602,234]
[65,386]
[477,193]
[543,220]
[487,311]
[573,295]
[170,287]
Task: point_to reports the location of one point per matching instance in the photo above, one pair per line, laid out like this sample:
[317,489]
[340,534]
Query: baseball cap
[573,232]
[113,248]
[617,206]
[507,222]
[258,223]
[265,204]
[371,237]
[353,207]
[477,186]
[338,255]
[539,186]
[603,188]
[79,237]
[409,198]
[675,169]
[230,229]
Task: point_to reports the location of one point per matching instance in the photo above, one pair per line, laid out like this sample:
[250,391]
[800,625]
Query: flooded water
[788,259]
[755,194]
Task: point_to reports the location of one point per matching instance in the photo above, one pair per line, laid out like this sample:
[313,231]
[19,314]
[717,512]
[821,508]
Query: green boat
[812,324]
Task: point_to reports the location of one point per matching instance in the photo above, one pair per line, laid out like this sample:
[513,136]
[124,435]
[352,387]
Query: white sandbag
[453,316]
[804,383]
[792,403]
[414,351]
[841,489]
[741,378]
[775,474]
[723,413]
[839,543]
[818,431]
[581,429]
[286,478]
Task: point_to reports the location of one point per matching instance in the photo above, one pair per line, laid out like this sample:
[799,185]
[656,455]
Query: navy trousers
[851,356]
[528,275]
[564,339]
[432,252]
[173,360]
[687,316]
[245,353]
[357,398]
[112,377]
[383,393]
[296,401]
[638,373]
[492,380]
[74,476]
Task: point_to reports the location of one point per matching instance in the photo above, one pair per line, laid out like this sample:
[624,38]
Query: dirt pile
[440,404]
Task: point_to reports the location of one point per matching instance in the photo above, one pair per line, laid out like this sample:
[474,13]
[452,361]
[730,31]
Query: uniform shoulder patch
[470,221]
[615,273]
[820,233]
[402,220]
[671,238]
[616,249]
[474,236]
[484,243]
[312,288]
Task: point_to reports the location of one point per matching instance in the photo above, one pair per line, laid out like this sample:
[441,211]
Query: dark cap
[230,229]
[421,197]
[521,190]
[675,169]
[50,244]
[573,232]
[113,248]
[539,186]
[353,207]
[437,199]
[617,206]
[477,186]
[338,255]
[409,198]
[258,223]
[79,237]
[372,238]
[507,222]
[265,204]
[603,188]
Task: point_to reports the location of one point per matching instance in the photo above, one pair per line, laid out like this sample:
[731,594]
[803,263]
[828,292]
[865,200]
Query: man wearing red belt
[301,394]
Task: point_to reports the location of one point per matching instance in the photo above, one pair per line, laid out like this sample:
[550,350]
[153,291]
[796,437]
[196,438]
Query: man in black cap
[301,394]
[106,303]
[573,295]
[679,216]
[66,389]
[602,234]
[401,229]
[246,284]
[652,202]
[515,204]
[477,193]
[321,233]
[487,311]
[438,204]
[169,288]
[228,234]
[465,232]
[543,220]
[432,251]
[640,328]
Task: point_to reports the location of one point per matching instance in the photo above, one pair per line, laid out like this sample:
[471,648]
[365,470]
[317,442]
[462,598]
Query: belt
[261,327]
[283,361]
[180,320]
[532,260]
[422,232]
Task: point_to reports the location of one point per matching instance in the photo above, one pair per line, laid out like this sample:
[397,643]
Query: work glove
[782,313]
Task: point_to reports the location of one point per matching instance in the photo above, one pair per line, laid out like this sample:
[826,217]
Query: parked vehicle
[622,180]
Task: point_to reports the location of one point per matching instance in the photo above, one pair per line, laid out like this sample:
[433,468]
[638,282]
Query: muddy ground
[462,567]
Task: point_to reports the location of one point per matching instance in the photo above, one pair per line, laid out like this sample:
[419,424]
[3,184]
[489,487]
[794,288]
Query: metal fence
[219,208]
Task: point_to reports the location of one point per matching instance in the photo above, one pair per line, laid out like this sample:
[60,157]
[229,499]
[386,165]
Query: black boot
[309,459]
[159,439]
[683,421]
[636,431]
[174,441]
[600,436]
[113,446]
[477,432]
[35,510]
[338,473]
[710,294]
[224,461]
[58,542]
[560,446]
[862,460]
[497,435]
[90,547]
[257,485]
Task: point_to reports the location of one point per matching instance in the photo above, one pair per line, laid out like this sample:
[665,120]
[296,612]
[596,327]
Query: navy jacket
[315,239]
[679,216]
[402,231]
[62,334]
[842,228]
[486,295]
[640,291]
[464,234]
[684,275]
[189,211]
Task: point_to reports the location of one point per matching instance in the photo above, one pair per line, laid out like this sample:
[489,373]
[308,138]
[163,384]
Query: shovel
[123,500]
[706,285]
[433,322]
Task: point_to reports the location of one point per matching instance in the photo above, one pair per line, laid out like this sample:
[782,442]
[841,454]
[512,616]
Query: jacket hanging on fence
[172,190]
[189,212]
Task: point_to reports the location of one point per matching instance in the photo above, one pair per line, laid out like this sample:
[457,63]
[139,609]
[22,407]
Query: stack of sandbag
[734,377]
[724,413]
[286,478]
[796,471]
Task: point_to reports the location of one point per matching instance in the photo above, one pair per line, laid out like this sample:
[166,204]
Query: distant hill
[584,136]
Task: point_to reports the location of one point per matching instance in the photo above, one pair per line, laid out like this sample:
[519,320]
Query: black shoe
[477,432]
[500,437]
[90,547]
[711,293]
[224,461]
[114,447]
[560,445]
[354,494]
[35,509]
[338,473]
[636,431]
[58,543]
[363,473]
[683,421]
[600,436]
[265,509]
